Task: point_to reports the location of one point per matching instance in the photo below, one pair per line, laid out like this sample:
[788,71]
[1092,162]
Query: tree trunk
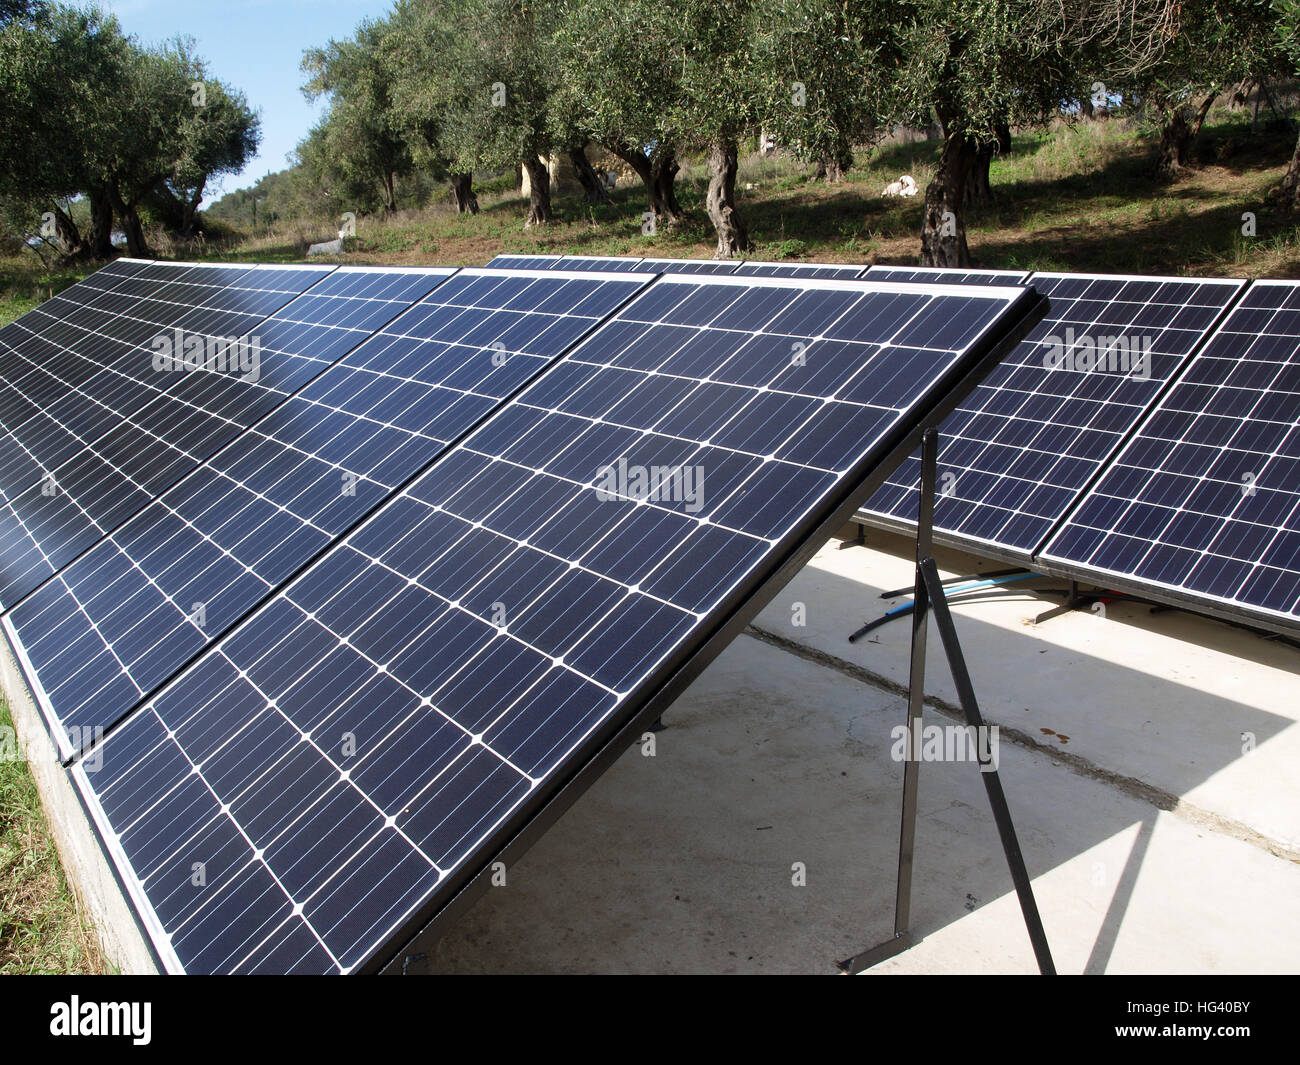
[137,247]
[1291,183]
[593,189]
[832,165]
[66,233]
[1002,130]
[978,190]
[1203,113]
[658,173]
[462,187]
[539,192]
[663,180]
[943,231]
[389,183]
[1175,135]
[733,238]
[99,238]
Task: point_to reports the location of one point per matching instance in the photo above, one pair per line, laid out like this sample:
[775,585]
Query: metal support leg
[928,594]
[903,937]
[992,783]
[860,540]
[1072,602]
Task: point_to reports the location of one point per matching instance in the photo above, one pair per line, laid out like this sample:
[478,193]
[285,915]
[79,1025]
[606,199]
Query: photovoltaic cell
[942,275]
[525,262]
[754,268]
[686,266]
[1017,452]
[95,427]
[1204,500]
[350,753]
[596,262]
[130,612]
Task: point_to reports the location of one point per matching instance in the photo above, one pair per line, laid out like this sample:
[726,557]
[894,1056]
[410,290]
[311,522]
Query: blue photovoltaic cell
[596,262]
[96,426]
[525,262]
[1204,499]
[942,275]
[118,622]
[753,268]
[1020,448]
[340,757]
[686,266]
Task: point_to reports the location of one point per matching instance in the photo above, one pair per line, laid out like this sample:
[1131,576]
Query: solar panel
[96,425]
[596,262]
[754,268]
[1020,448]
[344,761]
[946,276]
[1203,503]
[119,621]
[524,262]
[686,266]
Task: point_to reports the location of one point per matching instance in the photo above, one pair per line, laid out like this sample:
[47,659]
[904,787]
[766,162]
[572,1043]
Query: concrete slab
[685,861]
[1194,714]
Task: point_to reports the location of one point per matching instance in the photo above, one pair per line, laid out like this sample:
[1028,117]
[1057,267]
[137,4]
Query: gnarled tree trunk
[136,245]
[539,193]
[832,165]
[462,188]
[978,190]
[1291,183]
[593,189]
[66,233]
[733,238]
[943,230]
[1175,136]
[99,238]
[658,173]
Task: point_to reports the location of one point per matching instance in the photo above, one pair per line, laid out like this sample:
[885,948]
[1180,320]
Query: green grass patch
[42,929]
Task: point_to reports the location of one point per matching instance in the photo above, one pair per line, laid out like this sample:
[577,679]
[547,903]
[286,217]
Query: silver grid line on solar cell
[339,615]
[760,268]
[947,275]
[1014,467]
[1201,507]
[374,472]
[59,444]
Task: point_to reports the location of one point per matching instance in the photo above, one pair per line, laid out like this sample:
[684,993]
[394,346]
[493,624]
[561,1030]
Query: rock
[328,247]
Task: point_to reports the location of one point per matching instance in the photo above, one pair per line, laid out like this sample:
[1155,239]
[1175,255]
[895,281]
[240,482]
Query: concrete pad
[1194,714]
[684,861]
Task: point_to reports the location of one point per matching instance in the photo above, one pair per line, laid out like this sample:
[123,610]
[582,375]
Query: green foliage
[87,110]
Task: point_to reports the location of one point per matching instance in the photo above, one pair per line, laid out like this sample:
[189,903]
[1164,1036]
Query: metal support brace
[928,594]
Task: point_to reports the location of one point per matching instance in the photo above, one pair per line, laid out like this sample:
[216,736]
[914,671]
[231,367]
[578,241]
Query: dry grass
[42,928]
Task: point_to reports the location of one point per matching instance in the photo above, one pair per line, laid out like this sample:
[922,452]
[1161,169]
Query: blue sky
[256,46]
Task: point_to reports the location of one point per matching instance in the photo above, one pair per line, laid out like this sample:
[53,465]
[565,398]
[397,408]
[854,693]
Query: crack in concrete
[1081,766]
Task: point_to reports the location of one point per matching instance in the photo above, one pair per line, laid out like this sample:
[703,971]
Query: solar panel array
[692,266]
[93,429]
[1017,452]
[140,604]
[1204,499]
[383,597]
[390,679]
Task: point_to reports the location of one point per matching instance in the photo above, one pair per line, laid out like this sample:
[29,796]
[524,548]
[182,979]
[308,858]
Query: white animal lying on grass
[904,186]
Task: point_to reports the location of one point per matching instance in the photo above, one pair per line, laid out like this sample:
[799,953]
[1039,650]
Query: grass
[42,928]
[1080,199]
